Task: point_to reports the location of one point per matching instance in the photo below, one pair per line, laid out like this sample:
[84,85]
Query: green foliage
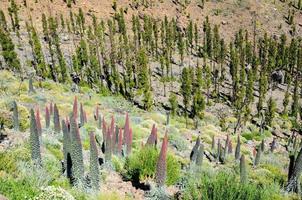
[256,135]
[225,185]
[53,193]
[271,111]
[117,163]
[55,150]
[144,162]
[272,173]
[186,88]
[8,52]
[9,159]
[17,189]
[173,103]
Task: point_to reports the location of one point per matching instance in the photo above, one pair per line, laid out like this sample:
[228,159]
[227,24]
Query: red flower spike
[120,141]
[161,167]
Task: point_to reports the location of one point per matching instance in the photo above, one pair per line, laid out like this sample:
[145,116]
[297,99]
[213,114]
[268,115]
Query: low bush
[222,185]
[54,193]
[9,159]
[17,189]
[143,164]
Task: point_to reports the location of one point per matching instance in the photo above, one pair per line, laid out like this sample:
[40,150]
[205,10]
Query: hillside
[150,99]
[15,154]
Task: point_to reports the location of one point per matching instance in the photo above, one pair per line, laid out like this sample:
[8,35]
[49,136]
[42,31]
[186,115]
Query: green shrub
[55,150]
[17,189]
[277,174]
[117,163]
[9,159]
[54,193]
[224,185]
[256,135]
[143,162]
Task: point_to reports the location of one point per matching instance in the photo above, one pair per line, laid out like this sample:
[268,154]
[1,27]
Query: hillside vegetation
[150,99]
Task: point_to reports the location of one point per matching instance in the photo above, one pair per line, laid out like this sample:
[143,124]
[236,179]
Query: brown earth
[230,14]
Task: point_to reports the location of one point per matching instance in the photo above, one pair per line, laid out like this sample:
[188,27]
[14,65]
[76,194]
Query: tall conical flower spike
[120,142]
[75,108]
[47,117]
[38,121]
[161,167]
[152,139]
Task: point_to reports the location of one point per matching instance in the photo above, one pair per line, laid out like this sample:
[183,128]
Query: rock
[74,88]
[249,142]
[3,197]
[224,22]
[65,38]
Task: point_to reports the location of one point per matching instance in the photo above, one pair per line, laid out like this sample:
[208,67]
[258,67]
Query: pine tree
[186,90]
[181,47]
[38,54]
[199,105]
[189,33]
[144,81]
[8,51]
[81,21]
[221,60]
[62,22]
[173,103]
[262,90]
[271,111]
[34,140]
[94,163]
[13,13]
[45,27]
[295,104]
[3,23]
[208,81]
[15,116]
